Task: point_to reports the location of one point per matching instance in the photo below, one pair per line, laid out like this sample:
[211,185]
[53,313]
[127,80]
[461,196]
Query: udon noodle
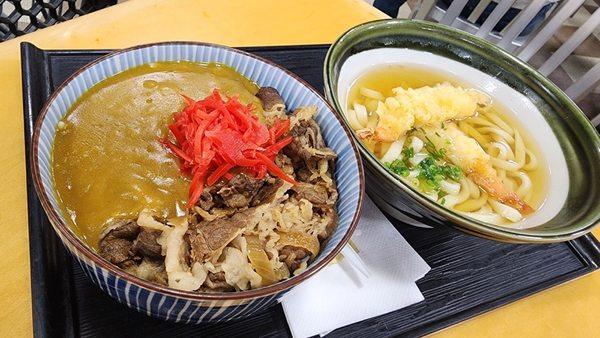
[435,141]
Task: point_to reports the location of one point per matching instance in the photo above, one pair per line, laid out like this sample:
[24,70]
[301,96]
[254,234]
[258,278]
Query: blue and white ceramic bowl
[157,300]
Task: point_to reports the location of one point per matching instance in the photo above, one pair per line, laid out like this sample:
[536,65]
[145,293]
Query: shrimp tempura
[425,106]
[467,154]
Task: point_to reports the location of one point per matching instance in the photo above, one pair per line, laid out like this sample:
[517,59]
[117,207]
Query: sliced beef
[116,245]
[206,201]
[125,229]
[240,190]
[266,194]
[315,193]
[208,238]
[303,174]
[285,164]
[210,197]
[133,249]
[117,251]
[308,144]
[319,194]
[269,97]
[146,244]
[216,282]
[292,256]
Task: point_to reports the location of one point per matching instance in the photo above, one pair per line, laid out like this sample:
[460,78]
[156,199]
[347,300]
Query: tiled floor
[583,58]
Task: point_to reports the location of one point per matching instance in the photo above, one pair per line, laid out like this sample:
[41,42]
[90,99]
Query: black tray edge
[51,287]
[588,248]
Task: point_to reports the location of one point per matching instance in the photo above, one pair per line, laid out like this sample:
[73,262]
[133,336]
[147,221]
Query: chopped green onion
[437,154]
[398,167]
[408,153]
[431,173]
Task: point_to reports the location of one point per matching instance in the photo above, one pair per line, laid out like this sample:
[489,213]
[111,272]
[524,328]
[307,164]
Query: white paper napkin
[338,295]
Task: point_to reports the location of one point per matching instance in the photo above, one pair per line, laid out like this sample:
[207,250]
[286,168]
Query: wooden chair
[523,47]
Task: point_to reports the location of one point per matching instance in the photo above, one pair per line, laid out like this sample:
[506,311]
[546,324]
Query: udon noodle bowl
[450,142]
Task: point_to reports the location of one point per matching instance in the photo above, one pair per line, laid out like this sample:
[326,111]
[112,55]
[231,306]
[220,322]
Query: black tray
[469,275]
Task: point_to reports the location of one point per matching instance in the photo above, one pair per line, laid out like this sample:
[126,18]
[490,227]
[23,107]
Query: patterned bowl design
[163,302]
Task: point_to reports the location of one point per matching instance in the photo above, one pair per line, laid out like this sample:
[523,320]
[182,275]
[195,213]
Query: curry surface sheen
[107,160]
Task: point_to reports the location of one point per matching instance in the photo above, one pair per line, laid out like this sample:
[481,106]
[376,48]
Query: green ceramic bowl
[568,141]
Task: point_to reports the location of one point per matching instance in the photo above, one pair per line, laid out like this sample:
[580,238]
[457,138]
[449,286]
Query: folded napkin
[342,293]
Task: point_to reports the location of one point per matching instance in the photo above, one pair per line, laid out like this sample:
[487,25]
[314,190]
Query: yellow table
[568,310]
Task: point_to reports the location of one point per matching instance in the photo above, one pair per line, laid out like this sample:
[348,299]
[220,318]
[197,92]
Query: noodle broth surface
[488,125]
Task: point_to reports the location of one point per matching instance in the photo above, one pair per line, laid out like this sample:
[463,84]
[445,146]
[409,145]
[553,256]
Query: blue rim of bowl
[82,248]
[462,222]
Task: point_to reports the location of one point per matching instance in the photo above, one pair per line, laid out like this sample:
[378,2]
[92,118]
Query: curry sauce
[107,159]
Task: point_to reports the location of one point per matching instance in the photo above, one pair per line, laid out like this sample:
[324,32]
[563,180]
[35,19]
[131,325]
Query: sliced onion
[371,93]
[179,274]
[301,240]
[394,151]
[371,104]
[352,120]
[260,261]
[282,272]
[416,143]
[452,188]
[174,244]
[415,160]
[188,280]
[361,114]
[146,220]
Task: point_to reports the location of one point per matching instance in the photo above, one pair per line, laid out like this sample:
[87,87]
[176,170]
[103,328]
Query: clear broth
[384,78]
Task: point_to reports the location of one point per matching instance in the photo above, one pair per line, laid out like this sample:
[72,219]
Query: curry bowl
[164,301]
[499,87]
